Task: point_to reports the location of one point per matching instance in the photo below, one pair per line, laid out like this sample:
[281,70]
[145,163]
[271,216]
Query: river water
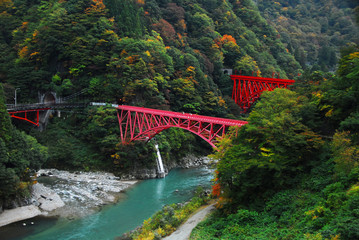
[137,204]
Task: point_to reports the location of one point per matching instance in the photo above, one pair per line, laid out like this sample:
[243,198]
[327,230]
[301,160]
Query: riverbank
[165,221]
[184,231]
[68,195]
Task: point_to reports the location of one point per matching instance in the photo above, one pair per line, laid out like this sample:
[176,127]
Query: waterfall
[161,170]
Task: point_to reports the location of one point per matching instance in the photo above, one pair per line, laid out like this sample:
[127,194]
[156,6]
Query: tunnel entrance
[49,98]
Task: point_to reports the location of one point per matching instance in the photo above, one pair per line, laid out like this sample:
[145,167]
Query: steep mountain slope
[315,30]
[70,45]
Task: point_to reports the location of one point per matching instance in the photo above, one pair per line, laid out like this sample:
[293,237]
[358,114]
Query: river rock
[83,192]
[45,198]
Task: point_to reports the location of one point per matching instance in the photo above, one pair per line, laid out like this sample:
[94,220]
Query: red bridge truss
[28,115]
[31,112]
[247,89]
[138,123]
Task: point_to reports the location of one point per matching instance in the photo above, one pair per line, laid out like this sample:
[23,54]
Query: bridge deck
[42,106]
[262,79]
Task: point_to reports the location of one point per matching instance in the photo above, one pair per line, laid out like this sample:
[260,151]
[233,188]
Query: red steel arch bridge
[138,123]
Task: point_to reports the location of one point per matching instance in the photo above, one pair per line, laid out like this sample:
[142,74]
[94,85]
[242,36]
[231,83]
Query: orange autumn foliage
[140,2]
[34,54]
[6,3]
[228,38]
[24,25]
[180,40]
[34,34]
[216,190]
[182,24]
[219,42]
[23,52]
[131,59]
[97,8]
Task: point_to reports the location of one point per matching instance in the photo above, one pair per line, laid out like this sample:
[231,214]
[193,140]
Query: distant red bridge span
[138,123]
[247,89]
[31,112]
[27,115]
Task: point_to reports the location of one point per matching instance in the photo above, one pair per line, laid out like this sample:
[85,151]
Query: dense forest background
[298,157]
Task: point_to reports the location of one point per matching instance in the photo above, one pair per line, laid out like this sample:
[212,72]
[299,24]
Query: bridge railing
[13,107]
[53,106]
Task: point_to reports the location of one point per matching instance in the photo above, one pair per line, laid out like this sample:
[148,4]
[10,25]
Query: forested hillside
[159,54]
[170,55]
[136,50]
[313,31]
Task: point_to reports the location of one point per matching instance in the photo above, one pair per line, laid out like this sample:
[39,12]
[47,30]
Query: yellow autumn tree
[97,8]
[345,154]
[248,66]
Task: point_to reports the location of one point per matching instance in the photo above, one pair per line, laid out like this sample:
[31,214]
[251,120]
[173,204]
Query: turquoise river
[139,203]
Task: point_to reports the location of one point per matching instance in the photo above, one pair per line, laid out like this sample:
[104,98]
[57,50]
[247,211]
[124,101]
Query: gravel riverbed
[68,195]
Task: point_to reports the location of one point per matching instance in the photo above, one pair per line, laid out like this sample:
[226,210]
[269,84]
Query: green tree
[340,101]
[128,16]
[345,154]
[200,24]
[247,65]
[5,124]
[268,151]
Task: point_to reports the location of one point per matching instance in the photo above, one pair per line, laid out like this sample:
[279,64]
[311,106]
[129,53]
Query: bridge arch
[151,133]
[137,123]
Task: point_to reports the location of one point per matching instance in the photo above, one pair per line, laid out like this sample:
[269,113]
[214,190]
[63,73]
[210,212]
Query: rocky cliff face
[194,161]
[189,161]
